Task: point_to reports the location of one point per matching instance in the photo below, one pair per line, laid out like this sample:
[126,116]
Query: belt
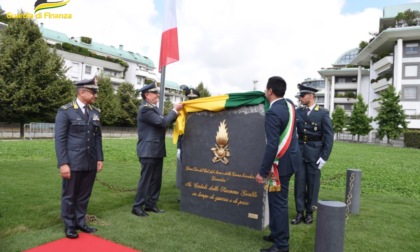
[308,138]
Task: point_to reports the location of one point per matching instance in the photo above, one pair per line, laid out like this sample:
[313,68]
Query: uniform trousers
[279,214]
[150,182]
[307,183]
[75,196]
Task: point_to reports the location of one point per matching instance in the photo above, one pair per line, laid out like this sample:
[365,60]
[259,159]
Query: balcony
[381,84]
[343,100]
[383,64]
[146,74]
[116,80]
[345,86]
[413,123]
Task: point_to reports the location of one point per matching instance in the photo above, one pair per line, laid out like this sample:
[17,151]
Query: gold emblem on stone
[221,152]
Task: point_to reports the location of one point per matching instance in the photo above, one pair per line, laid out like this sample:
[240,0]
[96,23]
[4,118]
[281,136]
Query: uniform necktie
[305,113]
[87,113]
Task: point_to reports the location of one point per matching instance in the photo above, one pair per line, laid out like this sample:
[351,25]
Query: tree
[359,122]
[391,116]
[408,17]
[129,103]
[202,90]
[362,45]
[338,120]
[33,84]
[107,101]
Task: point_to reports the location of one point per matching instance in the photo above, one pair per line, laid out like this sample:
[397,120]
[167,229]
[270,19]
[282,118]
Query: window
[412,49]
[348,107]
[409,93]
[88,69]
[341,80]
[75,67]
[411,71]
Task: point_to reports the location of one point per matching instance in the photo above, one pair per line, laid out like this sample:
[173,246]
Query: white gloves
[178,154]
[320,163]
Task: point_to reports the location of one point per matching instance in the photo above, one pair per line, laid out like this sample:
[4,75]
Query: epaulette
[317,107]
[148,106]
[68,105]
[95,108]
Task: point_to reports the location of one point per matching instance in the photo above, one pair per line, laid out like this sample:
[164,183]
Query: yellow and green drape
[217,103]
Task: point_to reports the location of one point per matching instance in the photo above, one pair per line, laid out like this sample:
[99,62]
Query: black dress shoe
[71,232]
[268,238]
[139,212]
[274,249]
[87,229]
[298,219]
[309,218]
[153,209]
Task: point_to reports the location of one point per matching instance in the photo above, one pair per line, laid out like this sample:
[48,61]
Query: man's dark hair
[277,85]
[143,95]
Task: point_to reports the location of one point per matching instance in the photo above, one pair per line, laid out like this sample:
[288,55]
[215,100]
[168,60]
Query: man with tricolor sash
[281,159]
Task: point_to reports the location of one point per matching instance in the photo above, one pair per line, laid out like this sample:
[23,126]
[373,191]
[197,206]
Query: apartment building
[393,58]
[343,83]
[116,63]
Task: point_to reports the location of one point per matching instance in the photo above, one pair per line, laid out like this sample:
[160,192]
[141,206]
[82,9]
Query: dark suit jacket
[151,129]
[317,124]
[276,120]
[78,142]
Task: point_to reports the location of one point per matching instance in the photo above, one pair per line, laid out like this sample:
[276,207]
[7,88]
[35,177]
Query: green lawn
[389,218]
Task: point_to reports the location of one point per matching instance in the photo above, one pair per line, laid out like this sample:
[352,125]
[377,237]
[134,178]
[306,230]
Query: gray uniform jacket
[78,142]
[151,129]
[316,135]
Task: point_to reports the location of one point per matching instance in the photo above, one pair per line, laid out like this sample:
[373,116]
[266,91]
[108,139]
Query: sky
[228,45]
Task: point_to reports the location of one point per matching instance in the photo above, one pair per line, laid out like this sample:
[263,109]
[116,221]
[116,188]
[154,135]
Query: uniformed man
[315,133]
[151,128]
[78,146]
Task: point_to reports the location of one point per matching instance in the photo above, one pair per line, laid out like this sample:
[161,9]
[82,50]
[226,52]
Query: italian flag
[216,103]
[169,52]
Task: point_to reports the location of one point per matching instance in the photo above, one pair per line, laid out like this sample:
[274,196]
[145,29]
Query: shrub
[412,139]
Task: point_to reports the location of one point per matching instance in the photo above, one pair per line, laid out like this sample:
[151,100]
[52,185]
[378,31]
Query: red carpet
[85,242]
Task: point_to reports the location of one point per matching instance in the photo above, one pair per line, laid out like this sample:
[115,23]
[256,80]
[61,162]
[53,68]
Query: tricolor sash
[273,181]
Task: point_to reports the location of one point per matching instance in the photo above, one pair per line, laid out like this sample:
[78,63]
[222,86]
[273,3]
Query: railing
[46,130]
[8,130]
[39,130]
[347,136]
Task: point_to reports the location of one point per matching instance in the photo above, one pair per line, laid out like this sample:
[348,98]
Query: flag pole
[162,90]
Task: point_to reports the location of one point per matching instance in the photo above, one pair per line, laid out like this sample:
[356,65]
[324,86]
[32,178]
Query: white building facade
[119,65]
[397,47]
[363,73]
